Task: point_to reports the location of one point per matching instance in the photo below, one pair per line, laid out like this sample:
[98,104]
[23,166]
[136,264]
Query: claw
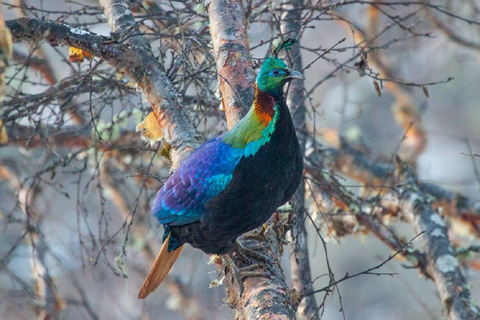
[245,252]
[239,274]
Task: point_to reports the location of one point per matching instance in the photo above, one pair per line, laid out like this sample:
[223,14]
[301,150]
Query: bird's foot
[244,252]
[240,273]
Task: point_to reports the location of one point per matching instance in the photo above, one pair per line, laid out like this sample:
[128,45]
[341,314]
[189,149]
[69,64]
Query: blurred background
[77,181]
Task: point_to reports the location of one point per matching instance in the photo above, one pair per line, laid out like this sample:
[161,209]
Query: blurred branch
[62,92]
[5,51]
[183,300]
[450,32]
[48,302]
[41,64]
[128,142]
[133,206]
[377,179]
[404,108]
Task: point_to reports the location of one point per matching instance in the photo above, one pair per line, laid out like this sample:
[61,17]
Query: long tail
[160,269]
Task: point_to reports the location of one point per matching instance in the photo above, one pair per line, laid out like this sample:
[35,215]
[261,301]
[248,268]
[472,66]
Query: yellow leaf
[150,128]
[377,88]
[6,43]
[3,133]
[78,55]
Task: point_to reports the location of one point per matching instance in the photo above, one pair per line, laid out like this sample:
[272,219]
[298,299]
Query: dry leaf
[150,128]
[295,296]
[6,43]
[377,88]
[3,133]
[78,55]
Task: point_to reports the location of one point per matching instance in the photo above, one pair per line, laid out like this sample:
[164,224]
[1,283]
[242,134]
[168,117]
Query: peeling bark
[265,294]
[230,44]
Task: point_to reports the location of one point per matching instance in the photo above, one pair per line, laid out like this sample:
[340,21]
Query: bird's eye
[276,72]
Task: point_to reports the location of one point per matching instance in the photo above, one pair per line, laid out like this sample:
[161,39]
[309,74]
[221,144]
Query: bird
[233,183]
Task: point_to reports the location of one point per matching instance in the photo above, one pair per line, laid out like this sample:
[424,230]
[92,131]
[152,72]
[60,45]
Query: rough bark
[419,204]
[265,293]
[230,44]
[441,263]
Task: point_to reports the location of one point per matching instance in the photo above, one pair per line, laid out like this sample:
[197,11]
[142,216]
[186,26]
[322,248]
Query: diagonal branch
[442,265]
[413,201]
[138,63]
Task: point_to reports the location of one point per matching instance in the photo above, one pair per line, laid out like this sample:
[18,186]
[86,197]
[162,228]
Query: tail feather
[160,269]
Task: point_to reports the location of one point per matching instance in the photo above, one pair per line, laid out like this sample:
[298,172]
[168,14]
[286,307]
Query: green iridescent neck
[255,129]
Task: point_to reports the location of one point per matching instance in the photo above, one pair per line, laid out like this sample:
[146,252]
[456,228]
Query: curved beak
[294,74]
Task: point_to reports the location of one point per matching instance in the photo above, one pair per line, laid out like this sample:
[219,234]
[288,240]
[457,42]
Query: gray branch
[298,247]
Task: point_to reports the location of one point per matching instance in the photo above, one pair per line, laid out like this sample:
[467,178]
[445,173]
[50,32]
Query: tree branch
[442,265]
[410,200]
[299,254]
[49,303]
[138,63]
[265,295]
[232,54]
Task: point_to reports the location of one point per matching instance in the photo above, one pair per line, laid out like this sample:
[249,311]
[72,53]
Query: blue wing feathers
[201,177]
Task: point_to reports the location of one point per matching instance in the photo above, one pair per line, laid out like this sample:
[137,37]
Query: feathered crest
[284,45]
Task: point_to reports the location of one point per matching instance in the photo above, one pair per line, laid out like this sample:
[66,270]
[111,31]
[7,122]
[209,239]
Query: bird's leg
[245,252]
[239,274]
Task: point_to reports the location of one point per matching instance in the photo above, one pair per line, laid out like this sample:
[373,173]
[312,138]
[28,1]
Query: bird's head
[273,74]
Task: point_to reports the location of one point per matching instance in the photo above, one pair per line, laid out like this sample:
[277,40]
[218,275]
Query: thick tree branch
[265,295]
[138,63]
[232,54]
[442,265]
[413,201]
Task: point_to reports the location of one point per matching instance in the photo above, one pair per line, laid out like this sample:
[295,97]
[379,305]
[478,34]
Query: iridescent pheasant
[233,183]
